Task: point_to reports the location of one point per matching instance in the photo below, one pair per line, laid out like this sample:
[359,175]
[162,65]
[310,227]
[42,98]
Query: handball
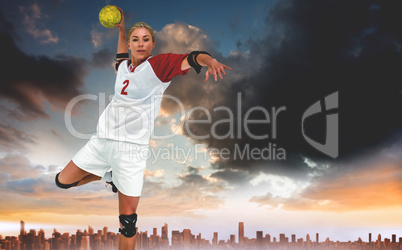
[109,16]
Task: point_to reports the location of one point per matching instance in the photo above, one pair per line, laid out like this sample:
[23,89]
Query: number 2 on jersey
[125,83]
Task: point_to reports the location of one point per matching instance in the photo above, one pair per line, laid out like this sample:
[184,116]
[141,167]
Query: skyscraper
[41,236]
[22,229]
[259,238]
[268,238]
[85,242]
[232,239]
[164,238]
[176,238]
[283,239]
[215,239]
[308,238]
[187,238]
[144,240]
[165,232]
[105,229]
[241,233]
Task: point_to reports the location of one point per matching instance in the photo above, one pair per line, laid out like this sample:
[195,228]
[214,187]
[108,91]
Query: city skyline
[90,239]
[332,233]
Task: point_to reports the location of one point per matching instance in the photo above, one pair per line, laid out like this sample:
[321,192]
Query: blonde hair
[140,25]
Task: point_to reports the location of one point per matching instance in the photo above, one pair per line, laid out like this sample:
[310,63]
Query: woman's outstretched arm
[215,68]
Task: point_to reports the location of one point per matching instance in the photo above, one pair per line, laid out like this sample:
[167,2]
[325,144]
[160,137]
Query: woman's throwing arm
[122,49]
[215,68]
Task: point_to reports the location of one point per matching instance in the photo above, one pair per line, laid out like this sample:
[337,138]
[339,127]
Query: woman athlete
[126,124]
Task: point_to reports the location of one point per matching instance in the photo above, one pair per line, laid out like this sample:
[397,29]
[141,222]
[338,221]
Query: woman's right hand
[120,25]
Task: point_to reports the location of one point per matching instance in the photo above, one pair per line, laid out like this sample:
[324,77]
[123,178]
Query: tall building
[165,232]
[215,239]
[187,238]
[41,237]
[268,238]
[176,238]
[317,237]
[232,239]
[241,233]
[293,238]
[259,238]
[144,240]
[164,242]
[85,243]
[369,238]
[283,239]
[22,229]
[105,229]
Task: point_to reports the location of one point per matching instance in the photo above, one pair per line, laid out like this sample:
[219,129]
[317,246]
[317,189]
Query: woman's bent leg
[127,209]
[72,174]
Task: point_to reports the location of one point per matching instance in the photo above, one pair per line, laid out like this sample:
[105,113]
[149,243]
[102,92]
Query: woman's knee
[128,216]
[62,185]
[70,176]
[128,225]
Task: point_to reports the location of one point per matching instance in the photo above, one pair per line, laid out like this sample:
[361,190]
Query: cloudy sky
[222,152]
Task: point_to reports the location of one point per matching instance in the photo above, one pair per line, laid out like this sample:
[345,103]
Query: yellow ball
[109,16]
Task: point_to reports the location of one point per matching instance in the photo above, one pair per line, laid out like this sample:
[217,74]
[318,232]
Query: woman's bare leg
[127,206]
[72,173]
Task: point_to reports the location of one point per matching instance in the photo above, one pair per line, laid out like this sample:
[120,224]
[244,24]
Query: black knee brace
[64,186]
[128,225]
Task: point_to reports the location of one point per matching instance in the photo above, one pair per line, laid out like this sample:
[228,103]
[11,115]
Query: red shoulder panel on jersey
[167,66]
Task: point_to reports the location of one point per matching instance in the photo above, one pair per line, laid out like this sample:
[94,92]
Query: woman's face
[141,44]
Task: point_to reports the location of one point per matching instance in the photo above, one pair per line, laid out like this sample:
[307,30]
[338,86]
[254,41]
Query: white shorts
[126,160]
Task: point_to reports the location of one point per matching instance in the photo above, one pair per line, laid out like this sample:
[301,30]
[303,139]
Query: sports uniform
[126,125]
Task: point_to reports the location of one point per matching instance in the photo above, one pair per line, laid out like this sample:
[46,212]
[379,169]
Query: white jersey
[131,114]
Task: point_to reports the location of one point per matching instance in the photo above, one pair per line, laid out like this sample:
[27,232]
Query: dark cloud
[230,176]
[103,58]
[23,186]
[205,183]
[32,81]
[193,170]
[313,49]
[12,139]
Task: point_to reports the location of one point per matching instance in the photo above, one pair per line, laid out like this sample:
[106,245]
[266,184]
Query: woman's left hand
[216,69]
[121,25]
